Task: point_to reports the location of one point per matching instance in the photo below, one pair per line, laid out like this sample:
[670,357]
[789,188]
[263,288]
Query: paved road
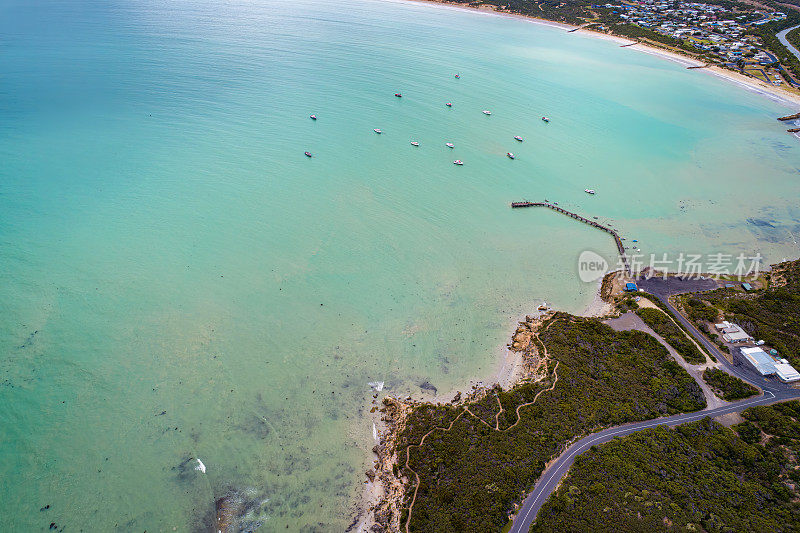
[785,42]
[558,470]
[774,391]
[662,289]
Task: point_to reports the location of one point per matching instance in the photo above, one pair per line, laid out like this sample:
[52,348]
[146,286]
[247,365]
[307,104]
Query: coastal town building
[717,31]
[766,365]
[732,333]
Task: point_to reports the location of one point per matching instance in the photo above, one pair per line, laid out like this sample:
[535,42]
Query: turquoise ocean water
[167,248]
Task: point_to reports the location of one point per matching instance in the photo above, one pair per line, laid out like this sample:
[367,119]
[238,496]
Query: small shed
[631,287]
[747,286]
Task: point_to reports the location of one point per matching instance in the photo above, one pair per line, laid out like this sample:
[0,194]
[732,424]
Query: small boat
[517,138]
[487,112]
[510,155]
[458,76]
[545,119]
[588,191]
[398,95]
[635,240]
[449,145]
[449,104]
[308,154]
[414,143]
[376,130]
[543,306]
[313,117]
[457,162]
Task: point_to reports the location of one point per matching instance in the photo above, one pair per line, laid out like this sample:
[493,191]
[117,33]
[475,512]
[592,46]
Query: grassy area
[675,337]
[728,387]
[758,73]
[697,477]
[472,474]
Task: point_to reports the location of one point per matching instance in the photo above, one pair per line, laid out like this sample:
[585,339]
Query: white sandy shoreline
[509,364]
[776,94]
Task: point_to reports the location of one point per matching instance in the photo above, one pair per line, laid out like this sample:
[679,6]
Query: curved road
[785,42]
[774,391]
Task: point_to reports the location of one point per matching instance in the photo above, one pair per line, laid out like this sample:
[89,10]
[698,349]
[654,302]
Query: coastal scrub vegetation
[771,314]
[768,35]
[672,334]
[700,476]
[728,387]
[478,459]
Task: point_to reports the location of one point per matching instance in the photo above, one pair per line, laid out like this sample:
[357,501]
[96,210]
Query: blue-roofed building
[747,286]
[768,366]
[630,287]
[759,359]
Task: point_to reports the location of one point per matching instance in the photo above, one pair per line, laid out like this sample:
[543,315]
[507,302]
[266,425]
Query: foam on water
[180,281]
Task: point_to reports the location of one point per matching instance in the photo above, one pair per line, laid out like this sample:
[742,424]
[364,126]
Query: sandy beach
[510,364]
[778,94]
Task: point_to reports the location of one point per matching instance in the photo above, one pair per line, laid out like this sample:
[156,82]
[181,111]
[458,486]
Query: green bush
[471,476]
[730,388]
[700,474]
[672,334]
[771,314]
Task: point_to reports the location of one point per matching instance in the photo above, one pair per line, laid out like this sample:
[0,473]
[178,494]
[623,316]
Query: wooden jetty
[790,117]
[613,233]
[580,27]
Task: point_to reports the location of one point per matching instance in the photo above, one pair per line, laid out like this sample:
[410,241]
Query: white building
[732,332]
[786,372]
[759,359]
[767,366]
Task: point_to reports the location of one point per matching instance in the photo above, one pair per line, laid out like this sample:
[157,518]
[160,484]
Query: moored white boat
[589,191]
[517,138]
[449,145]
[458,162]
[510,155]
[376,130]
[414,143]
[487,112]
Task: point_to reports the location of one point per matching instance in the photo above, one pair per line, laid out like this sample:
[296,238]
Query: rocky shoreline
[386,494]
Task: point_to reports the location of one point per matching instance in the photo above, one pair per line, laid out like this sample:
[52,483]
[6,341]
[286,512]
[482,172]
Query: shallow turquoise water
[168,248]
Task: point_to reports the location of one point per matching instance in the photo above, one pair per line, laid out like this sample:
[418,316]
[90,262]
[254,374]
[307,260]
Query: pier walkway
[617,240]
